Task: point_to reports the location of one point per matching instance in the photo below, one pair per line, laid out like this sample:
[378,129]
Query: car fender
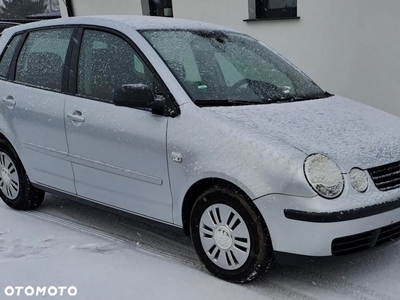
[257,165]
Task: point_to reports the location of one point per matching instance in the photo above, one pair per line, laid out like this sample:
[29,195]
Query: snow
[351,133]
[38,250]
[146,22]
[135,85]
[133,21]
[106,256]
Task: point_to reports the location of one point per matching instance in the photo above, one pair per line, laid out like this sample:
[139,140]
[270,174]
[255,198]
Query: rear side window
[8,56]
[42,58]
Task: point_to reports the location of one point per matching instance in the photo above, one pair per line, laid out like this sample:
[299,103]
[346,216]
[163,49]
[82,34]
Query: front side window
[8,56]
[42,58]
[227,66]
[106,62]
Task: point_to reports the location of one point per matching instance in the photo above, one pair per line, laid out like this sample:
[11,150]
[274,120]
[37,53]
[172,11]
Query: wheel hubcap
[224,236]
[9,181]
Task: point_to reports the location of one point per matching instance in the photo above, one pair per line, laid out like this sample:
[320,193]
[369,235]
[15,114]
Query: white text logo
[30,291]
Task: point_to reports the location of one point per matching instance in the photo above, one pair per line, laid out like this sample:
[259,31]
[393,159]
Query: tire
[244,246]
[15,188]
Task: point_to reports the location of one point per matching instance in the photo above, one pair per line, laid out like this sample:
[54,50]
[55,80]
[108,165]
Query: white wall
[105,7]
[350,48]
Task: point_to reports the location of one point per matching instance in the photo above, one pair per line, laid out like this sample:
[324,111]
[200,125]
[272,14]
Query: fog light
[358,180]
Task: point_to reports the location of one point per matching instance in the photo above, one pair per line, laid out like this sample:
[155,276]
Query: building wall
[107,7]
[349,48]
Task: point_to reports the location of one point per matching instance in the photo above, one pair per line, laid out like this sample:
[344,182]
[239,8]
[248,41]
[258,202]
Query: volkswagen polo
[198,127]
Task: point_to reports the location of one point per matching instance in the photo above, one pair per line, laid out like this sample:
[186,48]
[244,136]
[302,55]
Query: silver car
[201,128]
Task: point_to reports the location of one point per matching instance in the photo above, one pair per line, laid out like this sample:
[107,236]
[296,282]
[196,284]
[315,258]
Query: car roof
[4,25]
[135,22]
[8,23]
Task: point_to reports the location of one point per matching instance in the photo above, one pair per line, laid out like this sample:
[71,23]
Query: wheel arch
[17,150]
[5,138]
[197,189]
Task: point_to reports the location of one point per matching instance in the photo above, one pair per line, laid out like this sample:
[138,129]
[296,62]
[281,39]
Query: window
[272,9]
[107,62]
[42,58]
[160,8]
[229,71]
[217,66]
[8,56]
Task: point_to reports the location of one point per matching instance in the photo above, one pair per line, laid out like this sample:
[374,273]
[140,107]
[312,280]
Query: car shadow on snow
[342,276]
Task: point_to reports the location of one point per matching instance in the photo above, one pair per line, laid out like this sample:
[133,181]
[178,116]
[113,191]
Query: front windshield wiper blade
[286,99]
[226,102]
[294,99]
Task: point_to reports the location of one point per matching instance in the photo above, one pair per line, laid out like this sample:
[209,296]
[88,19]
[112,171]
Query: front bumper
[312,227]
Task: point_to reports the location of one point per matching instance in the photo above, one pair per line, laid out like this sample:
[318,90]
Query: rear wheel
[230,236]
[15,187]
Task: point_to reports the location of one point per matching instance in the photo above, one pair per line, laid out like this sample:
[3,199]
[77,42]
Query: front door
[118,153]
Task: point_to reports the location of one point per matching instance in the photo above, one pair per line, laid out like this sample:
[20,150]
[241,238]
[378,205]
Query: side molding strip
[94,164]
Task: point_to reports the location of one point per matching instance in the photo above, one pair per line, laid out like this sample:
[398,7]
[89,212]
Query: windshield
[217,66]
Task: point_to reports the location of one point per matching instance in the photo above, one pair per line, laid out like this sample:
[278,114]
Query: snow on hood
[351,133]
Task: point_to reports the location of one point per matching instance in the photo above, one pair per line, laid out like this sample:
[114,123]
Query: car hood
[351,133]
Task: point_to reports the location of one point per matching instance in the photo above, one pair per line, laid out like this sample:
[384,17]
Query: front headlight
[324,175]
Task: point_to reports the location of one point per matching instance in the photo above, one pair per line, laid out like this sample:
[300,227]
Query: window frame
[16,50]
[72,85]
[65,74]
[256,14]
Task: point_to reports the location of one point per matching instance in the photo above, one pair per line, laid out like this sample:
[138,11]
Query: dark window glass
[161,8]
[276,8]
[42,58]
[8,56]
[107,62]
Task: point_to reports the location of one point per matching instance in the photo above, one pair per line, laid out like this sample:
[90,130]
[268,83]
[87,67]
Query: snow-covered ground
[106,256]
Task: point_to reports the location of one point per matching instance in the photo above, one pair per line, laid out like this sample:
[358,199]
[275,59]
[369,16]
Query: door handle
[9,101]
[76,117]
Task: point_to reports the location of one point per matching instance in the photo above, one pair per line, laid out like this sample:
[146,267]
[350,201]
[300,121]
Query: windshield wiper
[226,102]
[294,99]
[286,99]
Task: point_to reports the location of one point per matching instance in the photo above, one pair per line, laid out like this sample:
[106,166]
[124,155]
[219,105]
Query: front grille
[366,240]
[386,177]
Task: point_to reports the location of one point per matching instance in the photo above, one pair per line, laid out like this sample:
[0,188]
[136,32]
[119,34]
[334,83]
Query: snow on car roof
[146,22]
[136,22]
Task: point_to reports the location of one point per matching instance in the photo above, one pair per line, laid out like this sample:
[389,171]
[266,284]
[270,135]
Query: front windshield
[226,66]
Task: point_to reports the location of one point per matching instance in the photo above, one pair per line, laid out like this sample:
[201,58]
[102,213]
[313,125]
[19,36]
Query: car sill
[115,210]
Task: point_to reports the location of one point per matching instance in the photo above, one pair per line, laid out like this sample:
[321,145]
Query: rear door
[118,153]
[33,105]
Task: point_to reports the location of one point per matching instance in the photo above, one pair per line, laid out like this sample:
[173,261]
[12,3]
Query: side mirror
[133,95]
[138,96]
[158,107]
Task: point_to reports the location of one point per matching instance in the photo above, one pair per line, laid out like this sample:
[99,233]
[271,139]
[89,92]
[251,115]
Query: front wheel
[230,236]
[15,187]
